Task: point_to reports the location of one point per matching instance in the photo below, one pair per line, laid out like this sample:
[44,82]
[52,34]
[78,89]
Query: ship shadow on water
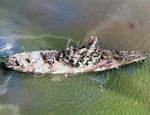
[3,70]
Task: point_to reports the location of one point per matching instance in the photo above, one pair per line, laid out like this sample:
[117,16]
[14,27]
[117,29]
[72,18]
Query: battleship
[84,58]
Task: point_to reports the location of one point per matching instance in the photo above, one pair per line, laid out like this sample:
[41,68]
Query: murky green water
[49,26]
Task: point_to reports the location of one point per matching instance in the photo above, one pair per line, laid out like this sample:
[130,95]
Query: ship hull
[33,62]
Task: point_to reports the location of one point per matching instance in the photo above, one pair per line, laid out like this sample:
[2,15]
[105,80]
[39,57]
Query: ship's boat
[83,58]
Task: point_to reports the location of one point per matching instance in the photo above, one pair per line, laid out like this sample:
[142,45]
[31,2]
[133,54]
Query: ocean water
[42,25]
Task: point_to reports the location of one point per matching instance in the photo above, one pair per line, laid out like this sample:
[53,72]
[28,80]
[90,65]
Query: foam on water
[6,47]
[100,78]
[3,88]
[13,108]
